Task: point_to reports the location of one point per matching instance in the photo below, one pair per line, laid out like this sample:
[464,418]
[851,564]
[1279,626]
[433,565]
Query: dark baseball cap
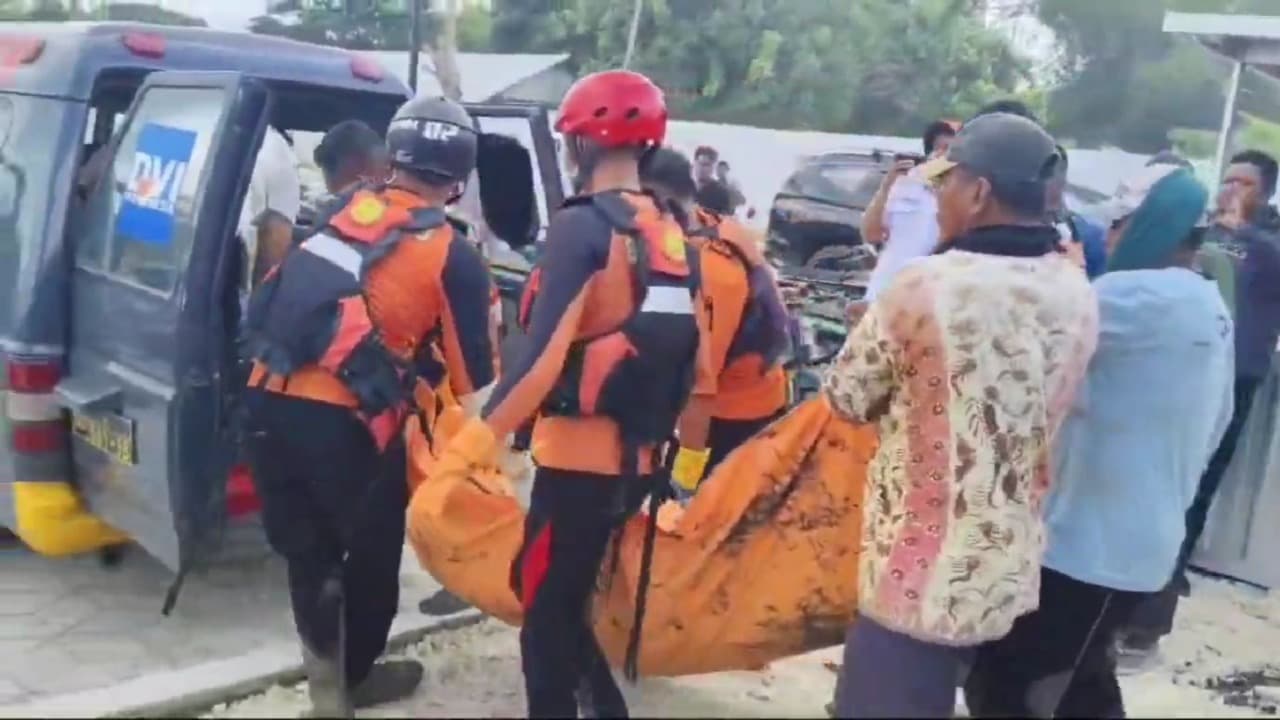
[1000,147]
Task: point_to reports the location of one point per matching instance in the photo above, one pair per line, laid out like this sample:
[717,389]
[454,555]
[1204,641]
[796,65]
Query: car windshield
[849,182]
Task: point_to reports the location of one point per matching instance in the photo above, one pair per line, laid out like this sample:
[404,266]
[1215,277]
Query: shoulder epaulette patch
[673,245]
[367,210]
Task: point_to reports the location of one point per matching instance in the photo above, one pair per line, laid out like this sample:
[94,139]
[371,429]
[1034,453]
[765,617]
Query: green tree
[60,11]
[872,65]
[369,24]
[357,27]
[475,29]
[927,60]
[1125,82]
[531,25]
[139,12]
[385,25]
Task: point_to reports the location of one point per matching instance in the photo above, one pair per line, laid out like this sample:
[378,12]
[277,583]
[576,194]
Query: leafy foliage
[57,11]
[874,65]
[1127,83]
[871,66]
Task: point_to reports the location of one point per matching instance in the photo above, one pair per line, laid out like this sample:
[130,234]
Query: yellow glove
[686,472]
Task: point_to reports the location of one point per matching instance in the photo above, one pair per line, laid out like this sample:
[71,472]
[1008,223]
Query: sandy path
[475,672]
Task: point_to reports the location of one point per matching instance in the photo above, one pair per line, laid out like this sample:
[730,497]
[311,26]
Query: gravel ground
[1221,662]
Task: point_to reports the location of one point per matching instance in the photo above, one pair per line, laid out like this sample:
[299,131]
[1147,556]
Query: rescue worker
[747,323]
[350,153]
[613,332]
[339,333]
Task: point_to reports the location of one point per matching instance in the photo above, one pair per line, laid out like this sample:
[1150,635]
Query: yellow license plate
[114,435]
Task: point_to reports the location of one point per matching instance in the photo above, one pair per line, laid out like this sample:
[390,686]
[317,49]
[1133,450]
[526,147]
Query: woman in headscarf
[1154,404]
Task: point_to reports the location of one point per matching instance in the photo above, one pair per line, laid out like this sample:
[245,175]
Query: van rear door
[154,309]
[507,172]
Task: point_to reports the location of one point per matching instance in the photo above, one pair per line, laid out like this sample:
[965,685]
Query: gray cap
[1000,147]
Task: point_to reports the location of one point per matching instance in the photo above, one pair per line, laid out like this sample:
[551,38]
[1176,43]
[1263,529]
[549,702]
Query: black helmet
[434,138]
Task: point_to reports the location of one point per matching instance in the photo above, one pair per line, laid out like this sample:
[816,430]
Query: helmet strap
[460,189]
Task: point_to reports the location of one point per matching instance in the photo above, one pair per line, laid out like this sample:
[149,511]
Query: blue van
[118,306]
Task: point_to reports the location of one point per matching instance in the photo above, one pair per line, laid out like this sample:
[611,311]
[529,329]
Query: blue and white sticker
[151,194]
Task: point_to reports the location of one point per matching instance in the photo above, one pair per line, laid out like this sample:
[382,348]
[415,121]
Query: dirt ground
[1222,661]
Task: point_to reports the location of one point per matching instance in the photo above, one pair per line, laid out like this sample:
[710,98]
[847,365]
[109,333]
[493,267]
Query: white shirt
[274,185]
[911,219]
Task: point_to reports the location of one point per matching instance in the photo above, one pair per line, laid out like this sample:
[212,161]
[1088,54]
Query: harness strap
[658,494]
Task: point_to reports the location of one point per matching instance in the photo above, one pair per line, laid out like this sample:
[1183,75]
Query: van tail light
[148,45]
[242,499]
[364,68]
[20,50]
[34,377]
[35,418]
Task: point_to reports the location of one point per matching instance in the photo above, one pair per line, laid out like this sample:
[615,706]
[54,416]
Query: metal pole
[1228,119]
[631,33]
[415,42]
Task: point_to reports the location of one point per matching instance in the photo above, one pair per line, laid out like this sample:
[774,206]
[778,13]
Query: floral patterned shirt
[968,363]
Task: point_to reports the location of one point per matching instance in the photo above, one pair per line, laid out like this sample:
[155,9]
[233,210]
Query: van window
[518,128]
[138,222]
[31,157]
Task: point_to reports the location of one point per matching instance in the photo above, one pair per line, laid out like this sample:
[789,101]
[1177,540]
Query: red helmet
[615,108]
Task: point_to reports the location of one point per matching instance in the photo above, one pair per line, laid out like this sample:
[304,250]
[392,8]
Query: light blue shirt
[1150,412]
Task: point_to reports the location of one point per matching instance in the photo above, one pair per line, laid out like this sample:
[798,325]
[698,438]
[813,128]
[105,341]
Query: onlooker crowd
[1037,379]
[723,195]
[1026,414]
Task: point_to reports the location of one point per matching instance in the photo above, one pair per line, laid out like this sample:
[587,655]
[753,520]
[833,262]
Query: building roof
[484,75]
[1253,39]
[1263,27]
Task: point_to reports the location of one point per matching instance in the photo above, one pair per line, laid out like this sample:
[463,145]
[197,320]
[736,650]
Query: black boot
[324,683]
[388,681]
[598,693]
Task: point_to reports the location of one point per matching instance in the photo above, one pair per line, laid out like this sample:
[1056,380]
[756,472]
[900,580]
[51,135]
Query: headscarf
[1160,222]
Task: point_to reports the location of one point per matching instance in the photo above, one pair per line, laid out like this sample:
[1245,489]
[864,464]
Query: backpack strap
[621,216]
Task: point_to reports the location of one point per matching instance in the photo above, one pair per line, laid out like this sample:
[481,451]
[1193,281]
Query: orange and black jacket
[584,291]
[746,387]
[432,289]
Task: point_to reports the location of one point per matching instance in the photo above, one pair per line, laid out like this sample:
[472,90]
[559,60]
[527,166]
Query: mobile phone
[915,158]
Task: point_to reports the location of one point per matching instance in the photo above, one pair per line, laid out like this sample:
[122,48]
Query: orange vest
[403,290]
[746,388]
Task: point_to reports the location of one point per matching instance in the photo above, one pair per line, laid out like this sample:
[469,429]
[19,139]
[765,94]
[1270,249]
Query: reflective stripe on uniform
[668,299]
[335,251]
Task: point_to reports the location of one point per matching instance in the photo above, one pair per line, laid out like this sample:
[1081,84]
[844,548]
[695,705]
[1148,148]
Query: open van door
[518,156]
[154,311]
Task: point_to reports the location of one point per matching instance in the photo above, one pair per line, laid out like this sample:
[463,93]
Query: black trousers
[1058,661]
[333,506]
[887,674]
[1245,389]
[572,518]
[726,435]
